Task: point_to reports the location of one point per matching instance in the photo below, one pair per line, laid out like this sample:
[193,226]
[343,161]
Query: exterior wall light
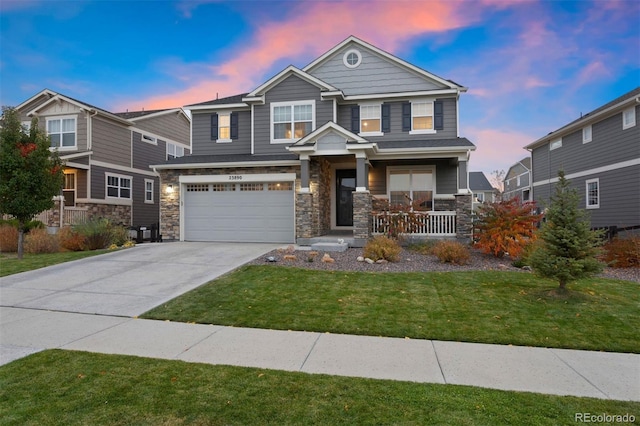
[169,189]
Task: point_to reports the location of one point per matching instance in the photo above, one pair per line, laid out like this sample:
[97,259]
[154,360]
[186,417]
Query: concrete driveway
[126,282]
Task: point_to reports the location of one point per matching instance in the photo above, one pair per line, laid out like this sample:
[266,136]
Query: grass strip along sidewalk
[73,388]
[480,306]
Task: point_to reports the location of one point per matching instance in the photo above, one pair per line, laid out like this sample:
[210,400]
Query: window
[26,126]
[224,128]
[291,121]
[149,139]
[69,188]
[480,197]
[628,118]
[518,181]
[593,193]
[352,58]
[421,117]
[412,189]
[62,132]
[280,186]
[555,144]
[587,134]
[370,119]
[118,186]
[148,191]
[174,151]
[525,195]
[197,187]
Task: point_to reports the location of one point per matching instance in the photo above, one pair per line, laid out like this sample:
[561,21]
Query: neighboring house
[517,181]
[308,152]
[107,157]
[481,189]
[600,156]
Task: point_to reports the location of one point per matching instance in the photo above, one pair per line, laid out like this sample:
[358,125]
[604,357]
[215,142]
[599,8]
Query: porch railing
[75,215]
[433,224]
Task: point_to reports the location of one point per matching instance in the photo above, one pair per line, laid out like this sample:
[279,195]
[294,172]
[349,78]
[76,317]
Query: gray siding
[145,153]
[375,74]
[81,183]
[145,214]
[203,145]
[450,122]
[289,90]
[173,126]
[111,143]
[446,175]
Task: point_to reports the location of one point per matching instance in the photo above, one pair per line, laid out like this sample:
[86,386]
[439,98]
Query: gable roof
[630,98]
[235,99]
[282,75]
[402,63]
[83,105]
[479,182]
[329,127]
[143,115]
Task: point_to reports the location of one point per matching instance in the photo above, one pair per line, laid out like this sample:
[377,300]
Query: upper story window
[587,134]
[421,117]
[555,144]
[118,186]
[62,131]
[149,139]
[352,58]
[628,118]
[224,127]
[291,121]
[370,119]
[593,193]
[174,151]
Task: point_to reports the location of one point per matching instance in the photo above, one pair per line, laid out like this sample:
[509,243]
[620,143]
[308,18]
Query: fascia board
[36,96]
[290,70]
[407,95]
[81,106]
[225,165]
[161,113]
[216,107]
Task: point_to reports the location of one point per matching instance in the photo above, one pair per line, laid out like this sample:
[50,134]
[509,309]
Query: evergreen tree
[568,248]
[30,174]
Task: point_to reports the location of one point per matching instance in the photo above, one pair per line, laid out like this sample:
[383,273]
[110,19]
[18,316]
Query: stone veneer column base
[305,222]
[362,220]
[464,222]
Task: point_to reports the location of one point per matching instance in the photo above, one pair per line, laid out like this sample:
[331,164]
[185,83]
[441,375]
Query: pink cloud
[595,70]
[497,149]
[304,34]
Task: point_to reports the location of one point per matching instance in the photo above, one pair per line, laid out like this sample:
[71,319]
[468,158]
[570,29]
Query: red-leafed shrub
[71,240]
[622,252]
[8,239]
[505,227]
[451,252]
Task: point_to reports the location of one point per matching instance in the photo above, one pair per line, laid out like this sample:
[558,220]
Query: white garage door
[239,212]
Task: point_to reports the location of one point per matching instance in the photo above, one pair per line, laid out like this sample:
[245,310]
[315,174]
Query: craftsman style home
[600,156]
[107,157]
[323,149]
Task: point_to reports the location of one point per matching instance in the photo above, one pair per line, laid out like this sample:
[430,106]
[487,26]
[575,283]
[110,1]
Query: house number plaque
[235,177]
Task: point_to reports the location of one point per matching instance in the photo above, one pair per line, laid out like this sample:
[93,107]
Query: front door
[345,185]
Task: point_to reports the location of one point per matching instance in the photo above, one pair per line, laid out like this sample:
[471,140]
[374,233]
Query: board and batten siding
[204,145]
[375,74]
[450,122]
[446,175]
[173,126]
[291,89]
[111,142]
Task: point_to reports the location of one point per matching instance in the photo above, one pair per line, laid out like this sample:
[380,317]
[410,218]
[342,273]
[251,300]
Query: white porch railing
[433,224]
[75,215]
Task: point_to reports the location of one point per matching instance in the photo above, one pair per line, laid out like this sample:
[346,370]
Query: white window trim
[106,186]
[370,104]
[555,144]
[412,169]
[148,139]
[433,118]
[175,150]
[224,140]
[75,131]
[632,123]
[311,102]
[26,126]
[146,181]
[346,55]
[586,184]
[587,138]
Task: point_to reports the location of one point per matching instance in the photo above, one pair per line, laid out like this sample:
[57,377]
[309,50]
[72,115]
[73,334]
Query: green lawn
[74,388]
[480,306]
[10,264]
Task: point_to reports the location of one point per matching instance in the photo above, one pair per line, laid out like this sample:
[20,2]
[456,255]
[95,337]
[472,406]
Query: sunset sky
[530,66]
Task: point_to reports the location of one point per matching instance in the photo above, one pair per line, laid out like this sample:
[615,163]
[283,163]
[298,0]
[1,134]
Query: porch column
[304,174]
[362,174]
[464,224]
[361,218]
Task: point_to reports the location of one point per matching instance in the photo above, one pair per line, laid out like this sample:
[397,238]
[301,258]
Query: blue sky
[530,66]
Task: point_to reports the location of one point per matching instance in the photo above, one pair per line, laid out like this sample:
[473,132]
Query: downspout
[89,147]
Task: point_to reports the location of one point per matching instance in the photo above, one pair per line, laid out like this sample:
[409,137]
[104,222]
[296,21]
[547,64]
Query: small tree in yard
[505,227]
[568,248]
[30,174]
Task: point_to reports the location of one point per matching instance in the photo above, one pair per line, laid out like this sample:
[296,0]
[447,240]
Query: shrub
[97,233]
[505,227]
[8,238]
[423,247]
[382,248]
[32,224]
[451,252]
[622,253]
[71,239]
[119,235]
[40,241]
[396,221]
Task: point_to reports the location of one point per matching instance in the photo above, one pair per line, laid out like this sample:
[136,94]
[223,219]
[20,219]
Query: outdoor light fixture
[169,189]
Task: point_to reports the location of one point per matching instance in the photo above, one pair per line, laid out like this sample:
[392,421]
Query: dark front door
[345,185]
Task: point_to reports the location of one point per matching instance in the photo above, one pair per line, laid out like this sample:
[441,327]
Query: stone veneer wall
[117,214]
[313,210]
[170,202]
[464,221]
[362,220]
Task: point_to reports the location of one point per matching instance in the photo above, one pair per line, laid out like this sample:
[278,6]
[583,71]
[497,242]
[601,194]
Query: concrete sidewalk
[550,371]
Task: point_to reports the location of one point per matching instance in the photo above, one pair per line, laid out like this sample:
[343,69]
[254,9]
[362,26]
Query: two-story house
[481,189]
[309,151]
[600,156]
[517,181]
[107,157]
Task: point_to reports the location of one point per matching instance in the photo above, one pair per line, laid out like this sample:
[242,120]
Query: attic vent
[352,58]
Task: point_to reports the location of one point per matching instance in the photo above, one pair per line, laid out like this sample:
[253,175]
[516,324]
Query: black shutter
[386,118]
[406,117]
[355,118]
[438,116]
[234,125]
[214,127]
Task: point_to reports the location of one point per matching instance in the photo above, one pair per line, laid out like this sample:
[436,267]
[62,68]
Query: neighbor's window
[628,118]
[593,193]
[370,118]
[62,132]
[587,134]
[148,191]
[411,188]
[118,186]
[555,144]
[421,116]
[174,151]
[291,121]
[224,127]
